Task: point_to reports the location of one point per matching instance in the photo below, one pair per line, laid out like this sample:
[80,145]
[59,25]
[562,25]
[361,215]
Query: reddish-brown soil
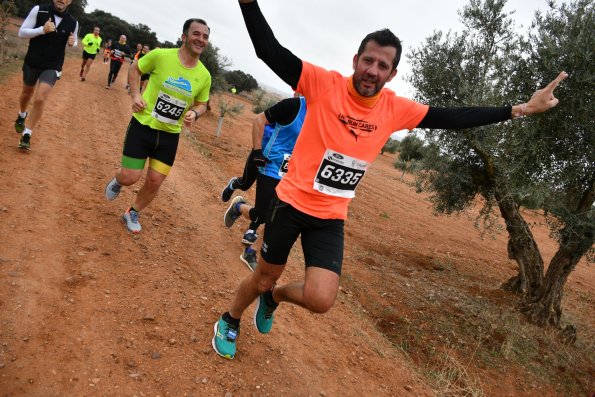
[87,309]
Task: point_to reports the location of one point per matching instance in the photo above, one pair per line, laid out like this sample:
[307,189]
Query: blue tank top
[278,142]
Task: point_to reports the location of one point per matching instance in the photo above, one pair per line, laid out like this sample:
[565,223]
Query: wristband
[196,116]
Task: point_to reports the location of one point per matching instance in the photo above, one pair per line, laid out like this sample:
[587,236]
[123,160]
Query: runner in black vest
[50,28]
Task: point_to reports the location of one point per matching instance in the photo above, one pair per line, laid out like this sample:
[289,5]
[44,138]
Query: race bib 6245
[168,109]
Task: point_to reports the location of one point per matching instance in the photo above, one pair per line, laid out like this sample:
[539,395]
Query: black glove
[258,159]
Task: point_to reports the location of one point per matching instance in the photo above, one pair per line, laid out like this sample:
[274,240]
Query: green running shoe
[19,124]
[224,340]
[263,315]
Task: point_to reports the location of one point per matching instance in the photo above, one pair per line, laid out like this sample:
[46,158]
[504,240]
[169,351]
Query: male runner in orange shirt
[349,119]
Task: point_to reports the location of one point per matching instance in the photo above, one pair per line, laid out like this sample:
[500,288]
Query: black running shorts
[86,55]
[322,239]
[142,142]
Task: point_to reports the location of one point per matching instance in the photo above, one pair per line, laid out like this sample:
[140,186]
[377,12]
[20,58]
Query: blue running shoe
[263,315]
[249,237]
[232,213]
[224,340]
[249,258]
[228,190]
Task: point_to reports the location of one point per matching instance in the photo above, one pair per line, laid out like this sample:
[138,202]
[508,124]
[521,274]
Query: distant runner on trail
[177,93]
[348,120]
[274,133]
[134,57]
[117,53]
[49,28]
[92,45]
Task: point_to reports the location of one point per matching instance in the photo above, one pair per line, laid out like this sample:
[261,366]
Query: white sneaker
[130,219]
[112,189]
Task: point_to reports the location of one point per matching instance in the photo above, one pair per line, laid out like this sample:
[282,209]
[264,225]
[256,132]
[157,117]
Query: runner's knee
[128,177]
[318,302]
[154,180]
[264,284]
[266,275]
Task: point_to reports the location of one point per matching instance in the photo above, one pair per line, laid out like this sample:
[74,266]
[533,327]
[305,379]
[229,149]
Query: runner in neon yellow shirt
[172,88]
[91,46]
[177,94]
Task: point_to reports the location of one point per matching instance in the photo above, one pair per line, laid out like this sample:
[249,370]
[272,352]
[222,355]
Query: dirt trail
[87,309]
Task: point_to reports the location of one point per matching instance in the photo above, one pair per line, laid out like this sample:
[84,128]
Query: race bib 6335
[339,174]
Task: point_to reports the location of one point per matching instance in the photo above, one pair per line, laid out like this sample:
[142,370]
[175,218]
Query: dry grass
[458,331]
[452,378]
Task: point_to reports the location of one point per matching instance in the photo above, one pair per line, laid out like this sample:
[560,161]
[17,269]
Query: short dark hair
[384,38]
[189,22]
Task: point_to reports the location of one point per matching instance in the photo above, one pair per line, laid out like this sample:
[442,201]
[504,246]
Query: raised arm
[281,61]
[467,117]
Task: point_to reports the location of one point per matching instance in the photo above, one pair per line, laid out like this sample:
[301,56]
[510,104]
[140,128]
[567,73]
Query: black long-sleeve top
[289,68]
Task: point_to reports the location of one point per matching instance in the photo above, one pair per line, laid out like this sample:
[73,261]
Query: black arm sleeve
[467,117]
[278,58]
[283,112]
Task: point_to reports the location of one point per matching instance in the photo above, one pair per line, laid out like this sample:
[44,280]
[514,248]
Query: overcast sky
[323,32]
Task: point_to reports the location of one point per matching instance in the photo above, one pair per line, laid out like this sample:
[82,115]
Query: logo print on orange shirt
[357,127]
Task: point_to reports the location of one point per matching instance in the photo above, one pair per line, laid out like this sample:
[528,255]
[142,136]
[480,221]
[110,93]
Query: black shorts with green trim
[142,142]
[322,239]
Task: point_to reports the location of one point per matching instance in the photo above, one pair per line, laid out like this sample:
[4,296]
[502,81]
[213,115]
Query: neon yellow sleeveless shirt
[172,89]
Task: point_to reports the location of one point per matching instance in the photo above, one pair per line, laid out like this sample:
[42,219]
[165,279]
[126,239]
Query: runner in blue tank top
[274,133]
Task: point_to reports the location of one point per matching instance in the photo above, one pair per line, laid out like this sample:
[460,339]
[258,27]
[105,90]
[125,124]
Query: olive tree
[509,163]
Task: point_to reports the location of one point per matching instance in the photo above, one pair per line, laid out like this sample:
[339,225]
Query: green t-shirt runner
[91,43]
[172,89]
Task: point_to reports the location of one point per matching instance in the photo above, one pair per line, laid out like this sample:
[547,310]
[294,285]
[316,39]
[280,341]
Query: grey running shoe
[249,258]
[250,237]
[232,214]
[112,189]
[228,190]
[130,219]
[25,142]
[19,124]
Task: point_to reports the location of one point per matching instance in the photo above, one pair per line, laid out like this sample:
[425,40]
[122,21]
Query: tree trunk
[576,240]
[522,248]
[545,309]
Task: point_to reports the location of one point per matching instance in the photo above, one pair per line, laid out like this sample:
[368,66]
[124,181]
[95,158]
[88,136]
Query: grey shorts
[32,75]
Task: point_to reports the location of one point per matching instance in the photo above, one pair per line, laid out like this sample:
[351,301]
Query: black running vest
[47,50]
